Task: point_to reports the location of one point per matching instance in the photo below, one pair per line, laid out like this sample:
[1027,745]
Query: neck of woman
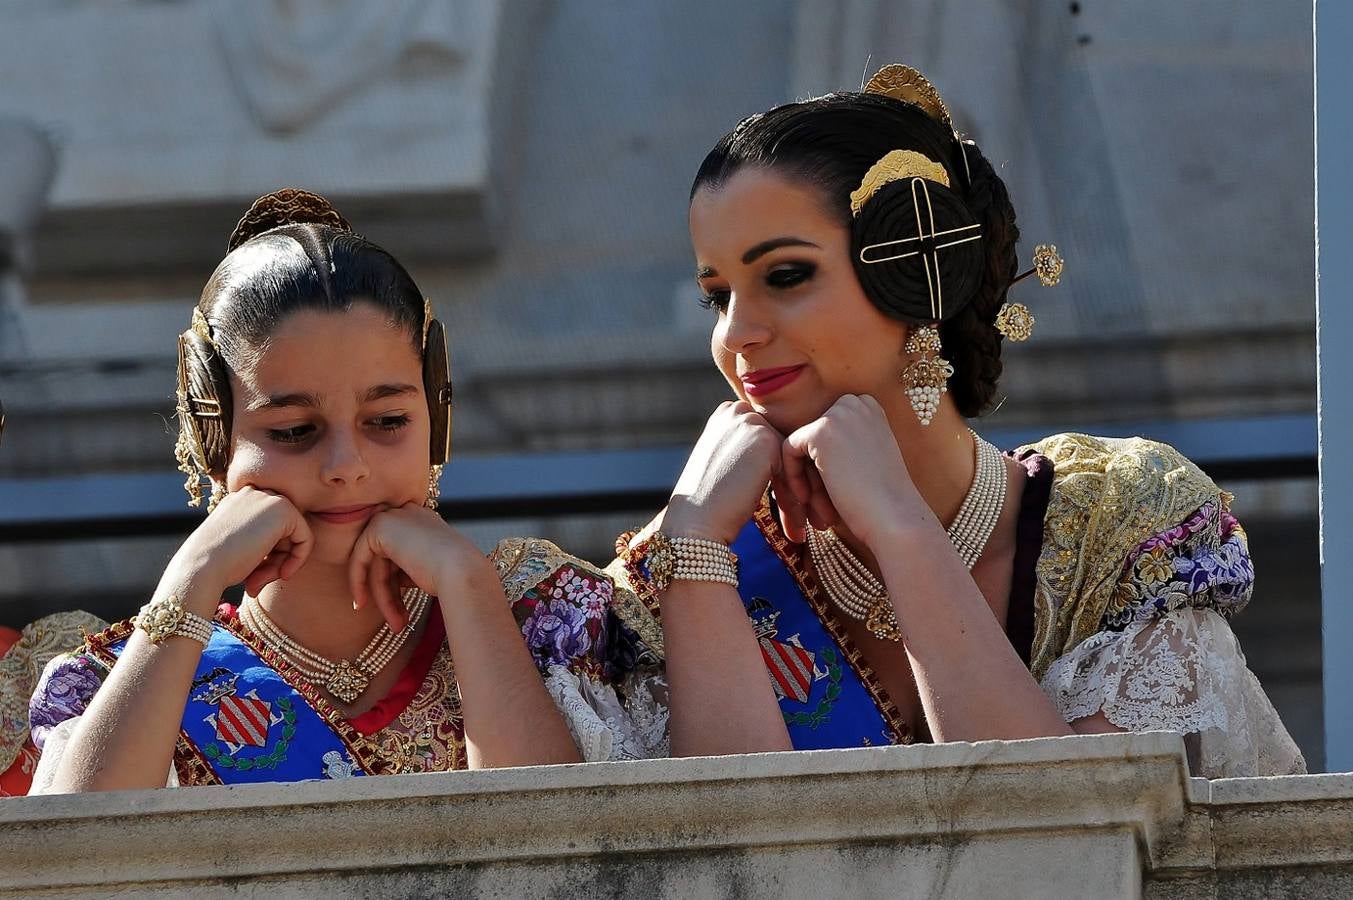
[940,458]
[314,609]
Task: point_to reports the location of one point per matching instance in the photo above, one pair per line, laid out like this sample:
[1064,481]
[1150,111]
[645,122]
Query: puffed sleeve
[586,653]
[1167,659]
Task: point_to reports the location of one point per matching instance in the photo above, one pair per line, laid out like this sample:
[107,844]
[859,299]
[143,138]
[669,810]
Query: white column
[1334,332]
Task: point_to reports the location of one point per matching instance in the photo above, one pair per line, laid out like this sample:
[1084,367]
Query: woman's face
[795,330]
[332,415]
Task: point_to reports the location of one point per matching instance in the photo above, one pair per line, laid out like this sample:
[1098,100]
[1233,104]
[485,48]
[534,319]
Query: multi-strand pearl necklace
[345,679]
[859,594]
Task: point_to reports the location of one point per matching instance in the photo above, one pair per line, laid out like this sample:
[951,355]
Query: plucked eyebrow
[759,251]
[765,247]
[308,400]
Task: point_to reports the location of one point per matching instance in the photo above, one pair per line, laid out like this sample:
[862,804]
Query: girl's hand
[727,472]
[410,546]
[253,536]
[848,463]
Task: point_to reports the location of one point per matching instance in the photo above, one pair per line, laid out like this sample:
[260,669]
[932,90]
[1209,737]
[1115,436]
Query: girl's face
[795,330]
[331,414]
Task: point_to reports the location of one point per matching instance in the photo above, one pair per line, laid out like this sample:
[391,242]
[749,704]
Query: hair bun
[289,206]
[901,286]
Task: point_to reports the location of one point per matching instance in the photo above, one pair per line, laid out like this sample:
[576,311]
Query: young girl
[373,638]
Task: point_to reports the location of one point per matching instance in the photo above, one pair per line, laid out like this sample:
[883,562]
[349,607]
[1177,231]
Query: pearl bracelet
[701,560]
[657,560]
[161,619]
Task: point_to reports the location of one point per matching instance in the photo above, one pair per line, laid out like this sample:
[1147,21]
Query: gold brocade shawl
[1108,496]
[21,668]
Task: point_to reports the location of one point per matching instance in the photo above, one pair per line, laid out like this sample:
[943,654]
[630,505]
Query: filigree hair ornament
[1014,320]
[910,86]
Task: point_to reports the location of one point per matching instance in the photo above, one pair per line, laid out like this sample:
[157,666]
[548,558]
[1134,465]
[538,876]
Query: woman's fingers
[792,513]
[821,512]
[800,455]
[795,461]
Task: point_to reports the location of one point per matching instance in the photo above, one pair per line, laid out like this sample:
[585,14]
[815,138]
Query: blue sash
[822,697]
[249,725]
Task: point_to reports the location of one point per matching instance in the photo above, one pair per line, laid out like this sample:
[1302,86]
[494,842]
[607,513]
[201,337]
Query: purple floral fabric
[565,620]
[64,691]
[1204,562]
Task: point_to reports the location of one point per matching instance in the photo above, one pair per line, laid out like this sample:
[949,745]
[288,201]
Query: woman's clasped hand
[844,465]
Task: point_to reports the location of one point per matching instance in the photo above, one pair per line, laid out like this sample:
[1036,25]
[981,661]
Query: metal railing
[592,482]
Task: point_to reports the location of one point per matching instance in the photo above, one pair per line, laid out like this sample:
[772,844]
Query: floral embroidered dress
[1128,566]
[250,718]
[21,665]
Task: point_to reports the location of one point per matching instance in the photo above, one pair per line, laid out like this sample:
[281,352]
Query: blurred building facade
[530,161]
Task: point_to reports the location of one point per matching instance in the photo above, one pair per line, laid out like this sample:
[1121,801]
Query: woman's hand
[727,472]
[411,546]
[253,536]
[847,462]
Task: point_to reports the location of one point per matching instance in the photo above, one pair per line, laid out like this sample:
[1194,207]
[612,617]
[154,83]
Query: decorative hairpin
[200,325]
[1014,320]
[910,86]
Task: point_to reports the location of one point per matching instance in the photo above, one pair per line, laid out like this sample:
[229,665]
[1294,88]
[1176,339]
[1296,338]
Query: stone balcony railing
[1102,817]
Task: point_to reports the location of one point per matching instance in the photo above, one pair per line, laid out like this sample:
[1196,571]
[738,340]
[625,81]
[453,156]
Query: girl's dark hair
[831,142]
[292,251]
[303,266]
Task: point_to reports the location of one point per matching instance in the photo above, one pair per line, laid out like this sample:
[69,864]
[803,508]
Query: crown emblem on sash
[241,721]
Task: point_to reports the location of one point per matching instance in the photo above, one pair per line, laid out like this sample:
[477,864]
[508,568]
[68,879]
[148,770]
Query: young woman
[901,579]
[373,638]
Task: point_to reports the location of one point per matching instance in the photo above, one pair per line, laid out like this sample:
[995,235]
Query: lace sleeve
[1182,671]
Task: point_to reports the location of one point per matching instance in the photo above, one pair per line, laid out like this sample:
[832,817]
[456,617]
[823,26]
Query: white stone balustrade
[1105,817]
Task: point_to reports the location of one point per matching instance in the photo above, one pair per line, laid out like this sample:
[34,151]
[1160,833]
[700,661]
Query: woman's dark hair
[831,142]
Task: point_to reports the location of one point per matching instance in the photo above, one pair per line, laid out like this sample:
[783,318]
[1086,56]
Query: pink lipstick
[762,382]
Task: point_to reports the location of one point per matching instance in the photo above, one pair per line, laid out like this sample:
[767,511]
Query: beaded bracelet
[161,619]
[657,560]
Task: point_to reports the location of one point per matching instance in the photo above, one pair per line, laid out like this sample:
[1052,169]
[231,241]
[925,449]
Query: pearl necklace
[855,590]
[345,679]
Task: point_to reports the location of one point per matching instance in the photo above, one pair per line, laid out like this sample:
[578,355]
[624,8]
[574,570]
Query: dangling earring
[218,493]
[434,487]
[927,377]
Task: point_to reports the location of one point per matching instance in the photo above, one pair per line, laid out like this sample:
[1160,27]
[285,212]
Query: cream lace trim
[602,726]
[1181,672]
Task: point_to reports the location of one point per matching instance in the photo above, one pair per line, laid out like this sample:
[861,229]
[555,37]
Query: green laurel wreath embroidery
[824,706]
[269,760]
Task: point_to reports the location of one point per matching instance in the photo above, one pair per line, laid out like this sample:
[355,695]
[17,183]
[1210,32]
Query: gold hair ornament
[1014,320]
[896,165]
[909,86]
[201,327]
